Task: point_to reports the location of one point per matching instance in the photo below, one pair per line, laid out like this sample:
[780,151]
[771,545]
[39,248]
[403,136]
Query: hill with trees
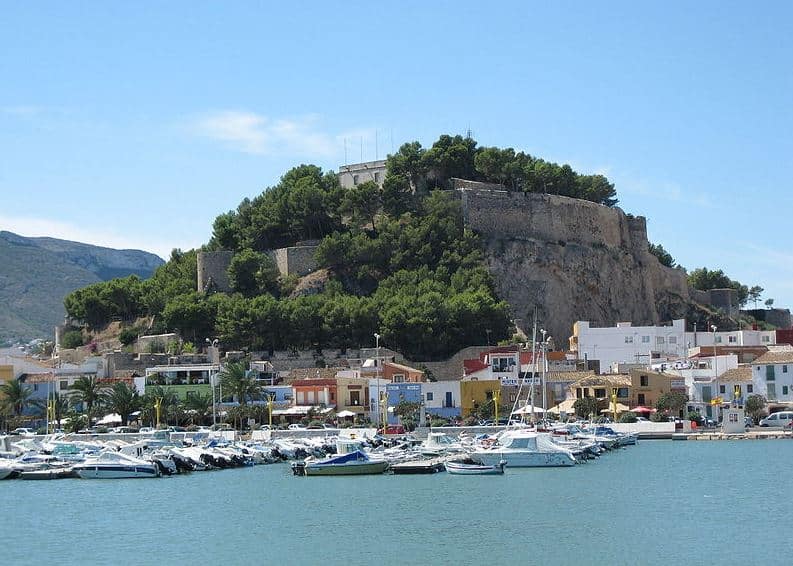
[396,260]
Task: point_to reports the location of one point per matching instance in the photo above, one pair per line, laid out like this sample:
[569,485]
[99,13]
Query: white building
[357,173]
[628,344]
[442,398]
[625,343]
[772,375]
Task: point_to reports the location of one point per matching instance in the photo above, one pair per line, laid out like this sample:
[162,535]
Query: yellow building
[6,373]
[474,393]
[353,394]
[648,386]
[600,387]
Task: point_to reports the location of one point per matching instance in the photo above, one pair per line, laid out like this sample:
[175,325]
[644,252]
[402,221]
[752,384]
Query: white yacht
[524,449]
[115,465]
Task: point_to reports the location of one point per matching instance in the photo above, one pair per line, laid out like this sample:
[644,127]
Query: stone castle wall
[295,260]
[213,266]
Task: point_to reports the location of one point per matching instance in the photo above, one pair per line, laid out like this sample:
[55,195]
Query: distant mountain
[37,273]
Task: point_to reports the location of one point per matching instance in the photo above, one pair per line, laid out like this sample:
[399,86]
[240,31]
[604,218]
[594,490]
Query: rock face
[37,273]
[573,259]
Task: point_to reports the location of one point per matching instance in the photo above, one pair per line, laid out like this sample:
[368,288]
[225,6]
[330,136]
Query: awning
[527,410]
[620,408]
[641,409]
[302,410]
[345,414]
[565,406]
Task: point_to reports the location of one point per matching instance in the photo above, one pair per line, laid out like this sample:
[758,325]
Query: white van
[782,418]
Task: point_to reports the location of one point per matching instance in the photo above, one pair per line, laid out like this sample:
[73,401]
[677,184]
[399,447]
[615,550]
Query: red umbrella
[641,409]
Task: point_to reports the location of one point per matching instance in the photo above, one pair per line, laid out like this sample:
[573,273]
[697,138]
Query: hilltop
[37,273]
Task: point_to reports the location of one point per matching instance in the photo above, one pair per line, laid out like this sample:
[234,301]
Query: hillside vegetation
[399,259]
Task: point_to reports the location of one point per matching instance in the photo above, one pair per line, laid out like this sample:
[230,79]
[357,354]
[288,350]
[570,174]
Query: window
[399,378]
[673,339]
[376,176]
[722,389]
[645,339]
[771,391]
[600,392]
[784,369]
[622,392]
[355,179]
[502,365]
[644,381]
[332,397]
[429,396]
[659,339]
[717,340]
[732,339]
[629,339]
[489,395]
[784,390]
[355,397]
[310,397]
[64,384]
[513,397]
[765,339]
[769,373]
[641,398]
[301,397]
[750,388]
[578,393]
[35,387]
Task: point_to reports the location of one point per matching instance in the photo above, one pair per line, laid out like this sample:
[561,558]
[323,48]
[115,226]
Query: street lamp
[716,371]
[377,375]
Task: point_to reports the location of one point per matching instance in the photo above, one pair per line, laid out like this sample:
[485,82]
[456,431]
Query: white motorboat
[115,465]
[438,443]
[524,449]
[468,467]
[349,460]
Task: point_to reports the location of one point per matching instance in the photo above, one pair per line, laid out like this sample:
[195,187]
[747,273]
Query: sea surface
[660,502]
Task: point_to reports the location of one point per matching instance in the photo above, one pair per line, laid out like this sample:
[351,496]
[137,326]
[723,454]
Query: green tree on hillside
[663,256]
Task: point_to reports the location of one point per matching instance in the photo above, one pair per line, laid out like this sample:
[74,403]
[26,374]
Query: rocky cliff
[575,260]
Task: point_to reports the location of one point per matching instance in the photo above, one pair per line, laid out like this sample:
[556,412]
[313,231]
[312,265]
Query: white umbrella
[344,414]
[527,410]
[109,419]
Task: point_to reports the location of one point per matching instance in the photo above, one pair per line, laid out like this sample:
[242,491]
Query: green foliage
[755,407]
[72,339]
[235,381]
[89,392]
[15,397]
[628,417]
[415,168]
[124,400]
[585,407]
[704,279]
[672,402]
[663,256]
[253,273]
[304,205]
[128,335]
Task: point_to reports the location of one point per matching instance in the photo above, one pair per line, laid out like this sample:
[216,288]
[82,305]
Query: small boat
[115,465]
[418,467]
[525,449]
[349,460]
[468,467]
[50,473]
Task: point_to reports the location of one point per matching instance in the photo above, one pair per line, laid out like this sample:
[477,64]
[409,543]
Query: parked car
[146,430]
[780,419]
[24,431]
[295,426]
[393,429]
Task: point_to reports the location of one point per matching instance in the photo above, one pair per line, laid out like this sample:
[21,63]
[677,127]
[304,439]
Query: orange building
[398,373]
[315,392]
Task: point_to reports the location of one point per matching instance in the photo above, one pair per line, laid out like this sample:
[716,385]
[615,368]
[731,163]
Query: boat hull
[351,469]
[98,472]
[525,459]
[474,469]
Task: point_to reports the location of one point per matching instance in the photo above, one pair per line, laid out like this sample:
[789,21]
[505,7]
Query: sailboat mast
[533,361]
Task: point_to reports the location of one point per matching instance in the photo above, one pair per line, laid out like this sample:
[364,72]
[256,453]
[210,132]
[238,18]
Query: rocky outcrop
[573,259]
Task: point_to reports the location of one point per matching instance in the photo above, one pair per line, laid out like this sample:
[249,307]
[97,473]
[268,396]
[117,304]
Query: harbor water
[660,502]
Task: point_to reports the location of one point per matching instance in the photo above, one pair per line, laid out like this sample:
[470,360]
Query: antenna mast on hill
[345,151]
[376,149]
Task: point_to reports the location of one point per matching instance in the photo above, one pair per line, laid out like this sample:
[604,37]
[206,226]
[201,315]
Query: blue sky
[135,124]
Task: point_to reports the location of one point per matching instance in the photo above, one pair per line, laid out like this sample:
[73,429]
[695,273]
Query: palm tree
[61,405]
[124,400]
[170,406]
[234,378]
[199,406]
[89,392]
[16,397]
